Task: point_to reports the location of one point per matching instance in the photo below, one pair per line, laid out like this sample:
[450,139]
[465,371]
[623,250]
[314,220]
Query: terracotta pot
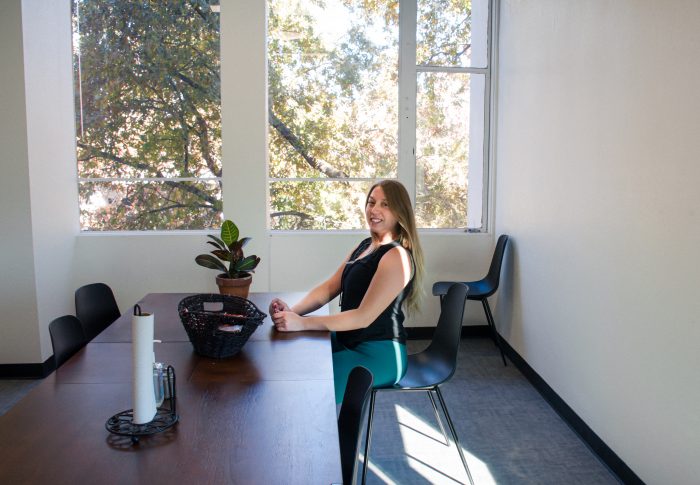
[234,286]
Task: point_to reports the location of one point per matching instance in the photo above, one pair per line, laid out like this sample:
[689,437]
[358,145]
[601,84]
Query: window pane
[452,33]
[449,116]
[147,96]
[140,206]
[333,88]
[318,205]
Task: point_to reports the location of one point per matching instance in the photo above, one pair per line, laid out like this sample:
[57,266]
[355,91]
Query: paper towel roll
[144,398]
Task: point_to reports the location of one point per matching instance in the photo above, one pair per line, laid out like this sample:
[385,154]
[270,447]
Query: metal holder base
[122,423]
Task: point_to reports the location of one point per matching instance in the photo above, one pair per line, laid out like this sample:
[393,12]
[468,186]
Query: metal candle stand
[166,416]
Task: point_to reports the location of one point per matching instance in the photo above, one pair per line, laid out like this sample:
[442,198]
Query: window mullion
[407,96]
[489,110]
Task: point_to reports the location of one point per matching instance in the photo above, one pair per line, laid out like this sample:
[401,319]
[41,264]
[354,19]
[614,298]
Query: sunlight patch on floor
[378,472]
[427,455]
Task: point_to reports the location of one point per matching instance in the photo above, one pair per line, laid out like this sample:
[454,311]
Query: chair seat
[477,289]
[425,371]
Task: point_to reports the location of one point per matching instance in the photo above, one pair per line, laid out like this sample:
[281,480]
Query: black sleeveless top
[357,275]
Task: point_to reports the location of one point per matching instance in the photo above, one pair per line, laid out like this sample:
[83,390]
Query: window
[360,91]
[148,114]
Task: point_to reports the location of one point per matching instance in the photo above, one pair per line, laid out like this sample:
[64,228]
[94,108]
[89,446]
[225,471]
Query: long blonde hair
[400,205]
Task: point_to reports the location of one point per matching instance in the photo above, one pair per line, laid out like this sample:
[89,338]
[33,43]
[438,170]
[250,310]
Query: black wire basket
[222,331]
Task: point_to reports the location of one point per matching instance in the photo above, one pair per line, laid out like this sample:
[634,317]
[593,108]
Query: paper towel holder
[166,415]
[138,312]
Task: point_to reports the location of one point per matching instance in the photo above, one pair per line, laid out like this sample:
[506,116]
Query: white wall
[19,331]
[597,175]
[52,166]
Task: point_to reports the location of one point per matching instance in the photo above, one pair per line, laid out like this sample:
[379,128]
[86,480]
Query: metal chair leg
[494,332]
[454,434]
[437,416]
[368,438]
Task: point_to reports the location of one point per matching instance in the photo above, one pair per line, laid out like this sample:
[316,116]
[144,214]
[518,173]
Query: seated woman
[380,277]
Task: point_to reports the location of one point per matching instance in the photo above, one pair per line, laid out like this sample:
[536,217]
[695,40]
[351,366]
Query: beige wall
[19,331]
[38,189]
[52,166]
[597,176]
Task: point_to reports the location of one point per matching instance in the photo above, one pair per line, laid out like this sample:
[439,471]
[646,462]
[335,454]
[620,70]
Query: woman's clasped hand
[283,318]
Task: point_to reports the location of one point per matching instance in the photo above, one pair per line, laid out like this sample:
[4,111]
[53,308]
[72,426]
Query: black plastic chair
[96,308]
[67,338]
[482,289]
[433,366]
[352,413]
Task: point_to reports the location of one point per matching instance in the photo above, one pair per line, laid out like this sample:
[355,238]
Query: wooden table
[266,415]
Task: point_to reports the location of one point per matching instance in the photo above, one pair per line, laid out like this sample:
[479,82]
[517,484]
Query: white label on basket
[213,306]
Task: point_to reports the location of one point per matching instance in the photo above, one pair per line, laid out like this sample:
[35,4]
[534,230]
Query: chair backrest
[351,418]
[443,349]
[494,275]
[96,308]
[67,338]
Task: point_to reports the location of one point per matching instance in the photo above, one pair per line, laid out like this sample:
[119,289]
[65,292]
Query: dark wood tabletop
[266,415]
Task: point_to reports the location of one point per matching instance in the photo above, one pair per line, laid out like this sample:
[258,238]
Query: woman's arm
[320,295]
[315,298]
[393,274]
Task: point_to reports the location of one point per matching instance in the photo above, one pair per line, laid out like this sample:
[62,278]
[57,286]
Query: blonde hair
[400,205]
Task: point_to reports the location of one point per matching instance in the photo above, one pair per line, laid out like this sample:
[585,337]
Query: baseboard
[27,371]
[594,442]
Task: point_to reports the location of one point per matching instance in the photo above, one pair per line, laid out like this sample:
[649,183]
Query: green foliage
[229,249]
[340,101]
[148,105]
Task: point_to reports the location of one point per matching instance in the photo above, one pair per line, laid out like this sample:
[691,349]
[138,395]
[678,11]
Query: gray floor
[509,434]
[12,391]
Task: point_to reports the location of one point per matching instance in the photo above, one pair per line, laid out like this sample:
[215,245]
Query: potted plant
[227,257]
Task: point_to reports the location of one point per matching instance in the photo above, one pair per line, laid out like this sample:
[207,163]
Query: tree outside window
[359,90]
[148,114]
[335,110]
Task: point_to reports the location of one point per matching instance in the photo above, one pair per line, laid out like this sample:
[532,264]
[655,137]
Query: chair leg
[368,438]
[454,434]
[494,332]
[437,416]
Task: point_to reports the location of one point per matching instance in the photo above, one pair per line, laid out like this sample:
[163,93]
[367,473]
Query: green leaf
[219,243]
[247,264]
[209,261]
[244,241]
[229,232]
[222,254]
[214,244]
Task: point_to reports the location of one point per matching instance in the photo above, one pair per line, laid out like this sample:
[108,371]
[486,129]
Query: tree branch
[185,186]
[300,215]
[296,143]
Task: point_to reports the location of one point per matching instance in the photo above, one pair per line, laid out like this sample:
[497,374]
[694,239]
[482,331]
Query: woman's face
[379,216]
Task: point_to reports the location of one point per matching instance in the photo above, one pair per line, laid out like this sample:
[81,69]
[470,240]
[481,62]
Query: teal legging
[385,359]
